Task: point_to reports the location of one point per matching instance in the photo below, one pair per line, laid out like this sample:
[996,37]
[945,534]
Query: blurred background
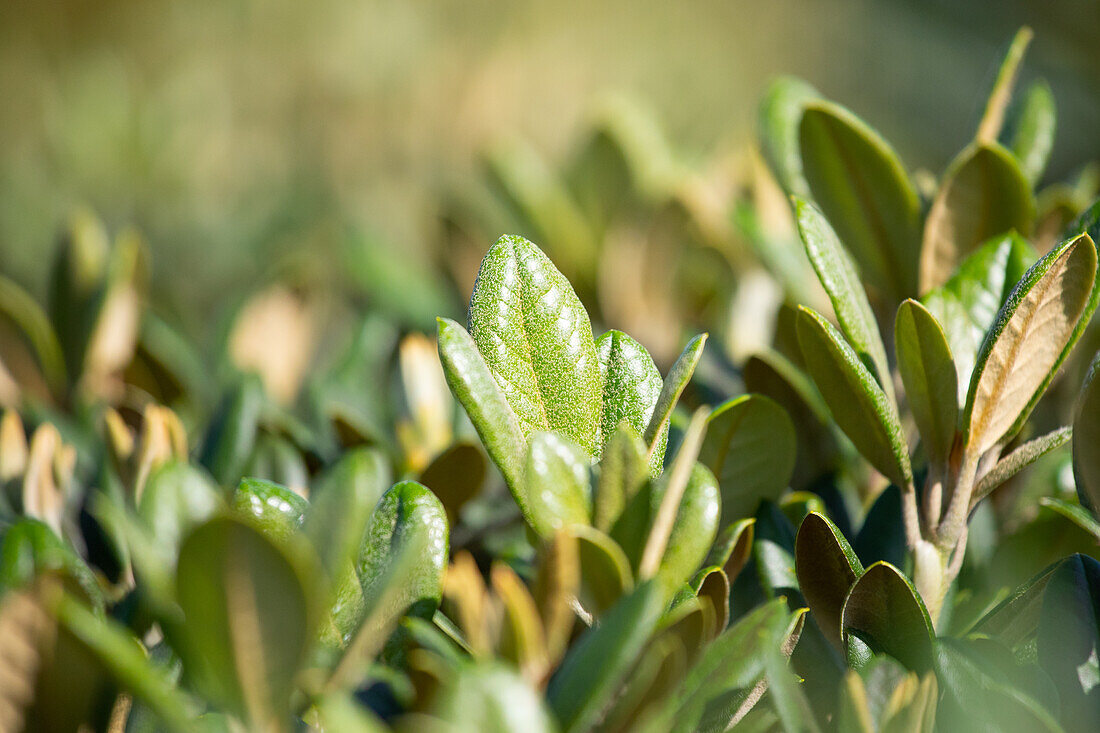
[239,135]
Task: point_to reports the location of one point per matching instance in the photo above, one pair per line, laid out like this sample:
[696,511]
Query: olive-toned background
[230,131]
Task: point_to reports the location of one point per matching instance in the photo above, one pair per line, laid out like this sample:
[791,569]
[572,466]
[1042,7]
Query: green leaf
[556,488]
[605,570]
[631,386]
[456,476]
[76,283]
[275,509]
[750,448]
[1029,132]
[997,102]
[477,391]
[862,188]
[886,612]
[1027,342]
[30,549]
[777,123]
[1014,620]
[623,472]
[231,438]
[859,406]
[176,498]
[1019,459]
[1075,513]
[408,515]
[983,194]
[1086,440]
[19,307]
[1069,638]
[929,375]
[735,659]
[675,382]
[773,553]
[838,276]
[732,548]
[595,667]
[123,656]
[342,503]
[976,700]
[826,566]
[967,304]
[536,339]
[487,699]
[249,609]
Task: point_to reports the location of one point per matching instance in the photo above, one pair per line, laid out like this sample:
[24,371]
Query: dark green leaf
[30,548]
[826,567]
[1069,639]
[862,187]
[228,445]
[605,570]
[1075,513]
[750,448]
[858,404]
[456,476]
[1086,440]
[885,611]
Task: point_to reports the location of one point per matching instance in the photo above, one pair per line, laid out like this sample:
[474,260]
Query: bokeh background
[235,133]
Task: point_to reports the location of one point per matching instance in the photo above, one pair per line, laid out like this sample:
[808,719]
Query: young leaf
[408,515]
[536,339]
[967,304]
[777,123]
[477,391]
[631,386]
[862,187]
[1029,132]
[838,275]
[826,566]
[249,616]
[556,488]
[750,448]
[1019,459]
[858,404]
[595,666]
[928,373]
[886,612]
[1086,440]
[984,193]
[675,382]
[1027,341]
[993,116]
